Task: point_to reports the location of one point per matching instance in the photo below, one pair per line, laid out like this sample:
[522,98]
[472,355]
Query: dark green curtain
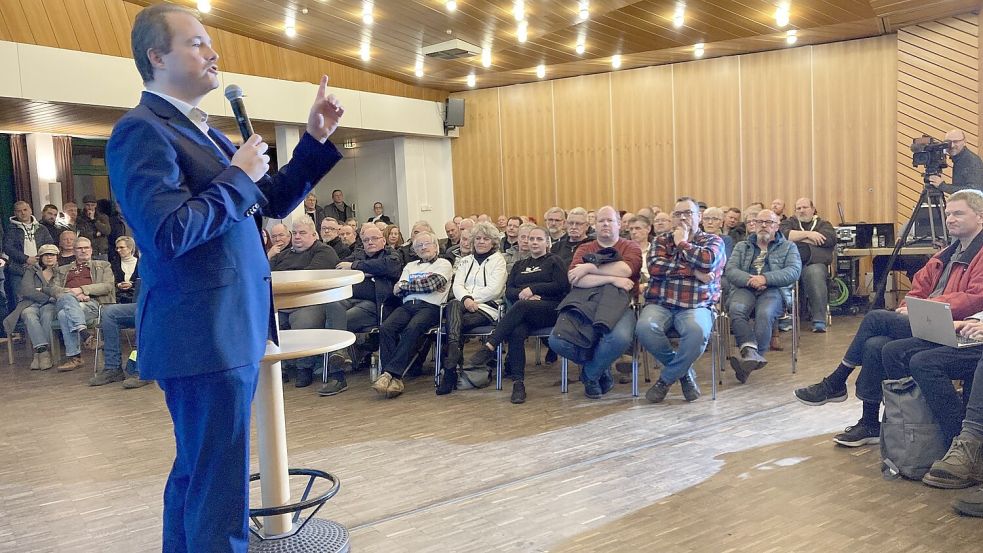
[6,180]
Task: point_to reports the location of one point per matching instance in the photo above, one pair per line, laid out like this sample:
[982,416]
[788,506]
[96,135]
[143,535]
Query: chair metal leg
[714,360]
[539,351]
[563,375]
[795,327]
[637,350]
[498,367]
[95,360]
[10,350]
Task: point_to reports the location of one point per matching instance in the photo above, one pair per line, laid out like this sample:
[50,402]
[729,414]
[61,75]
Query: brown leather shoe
[71,364]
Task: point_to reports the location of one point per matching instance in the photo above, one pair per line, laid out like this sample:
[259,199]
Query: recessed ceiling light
[699,49]
[419,68]
[519,10]
[303,11]
[290,30]
[580,48]
[204,6]
[540,71]
[616,61]
[791,37]
[367,13]
[472,80]
[522,33]
[451,6]
[365,52]
[679,16]
[584,10]
[486,57]
[782,14]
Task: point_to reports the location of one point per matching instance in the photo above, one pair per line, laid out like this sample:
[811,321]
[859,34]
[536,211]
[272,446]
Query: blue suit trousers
[206,499]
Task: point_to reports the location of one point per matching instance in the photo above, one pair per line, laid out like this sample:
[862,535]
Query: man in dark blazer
[204,307]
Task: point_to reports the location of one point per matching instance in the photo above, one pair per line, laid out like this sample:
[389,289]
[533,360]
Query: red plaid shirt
[673,269]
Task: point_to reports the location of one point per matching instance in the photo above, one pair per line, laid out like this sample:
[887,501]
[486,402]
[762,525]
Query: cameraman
[967,168]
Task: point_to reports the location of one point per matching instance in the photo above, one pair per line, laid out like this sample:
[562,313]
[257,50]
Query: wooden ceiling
[26,116]
[641,31]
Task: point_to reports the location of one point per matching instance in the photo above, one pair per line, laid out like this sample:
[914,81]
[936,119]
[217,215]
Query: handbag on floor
[911,440]
[474,377]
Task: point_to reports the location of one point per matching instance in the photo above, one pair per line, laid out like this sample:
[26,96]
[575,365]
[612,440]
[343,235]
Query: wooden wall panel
[854,100]
[776,126]
[528,167]
[937,90]
[642,141]
[708,133]
[477,157]
[103,27]
[582,109]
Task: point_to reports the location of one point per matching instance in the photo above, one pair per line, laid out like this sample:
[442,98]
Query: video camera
[929,153]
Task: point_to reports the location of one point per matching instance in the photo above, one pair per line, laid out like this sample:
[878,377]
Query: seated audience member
[500,224]
[555,218]
[815,239]
[479,282]
[733,227]
[94,225]
[646,212]
[355,226]
[347,235]
[761,273]
[381,225]
[625,217]
[483,218]
[962,465]
[306,252]
[713,222]
[591,223]
[423,287]
[394,237]
[511,237]
[360,313]
[603,277]
[576,236]
[71,211]
[311,209]
[451,243]
[36,308]
[640,232]
[125,270]
[280,235]
[78,290]
[953,276]
[379,215]
[520,250]
[114,319]
[535,287]
[49,220]
[66,247]
[266,240]
[778,208]
[329,235]
[407,251]
[465,224]
[24,236]
[685,267]
[662,223]
[338,209]
[464,249]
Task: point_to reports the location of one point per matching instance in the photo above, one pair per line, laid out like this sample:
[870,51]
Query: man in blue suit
[204,306]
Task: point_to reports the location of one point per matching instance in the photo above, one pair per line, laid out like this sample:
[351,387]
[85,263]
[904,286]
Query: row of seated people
[70,297]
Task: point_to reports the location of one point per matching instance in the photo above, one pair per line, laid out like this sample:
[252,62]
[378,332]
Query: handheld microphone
[234,95]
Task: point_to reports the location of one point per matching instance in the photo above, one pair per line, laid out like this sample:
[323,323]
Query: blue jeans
[813,279]
[973,423]
[934,367]
[766,306]
[878,328]
[37,319]
[694,327]
[73,315]
[115,317]
[608,348]
[206,498]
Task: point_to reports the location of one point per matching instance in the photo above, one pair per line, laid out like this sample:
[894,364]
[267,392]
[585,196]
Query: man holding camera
[967,168]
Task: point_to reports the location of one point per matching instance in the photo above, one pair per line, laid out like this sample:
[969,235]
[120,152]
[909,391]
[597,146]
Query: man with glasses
[79,289]
[330,228]
[815,239]
[761,274]
[423,286]
[685,267]
[967,168]
[576,235]
[555,217]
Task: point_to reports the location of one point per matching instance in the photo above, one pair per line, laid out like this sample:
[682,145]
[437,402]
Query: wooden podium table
[292,289]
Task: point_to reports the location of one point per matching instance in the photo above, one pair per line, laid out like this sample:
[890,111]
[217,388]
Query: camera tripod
[932,197]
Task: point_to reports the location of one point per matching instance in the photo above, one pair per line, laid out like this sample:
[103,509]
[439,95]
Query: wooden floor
[82,469]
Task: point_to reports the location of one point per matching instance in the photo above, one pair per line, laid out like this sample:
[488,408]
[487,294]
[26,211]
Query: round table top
[295,344]
[298,282]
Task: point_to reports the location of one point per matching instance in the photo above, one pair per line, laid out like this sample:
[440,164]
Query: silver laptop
[932,321]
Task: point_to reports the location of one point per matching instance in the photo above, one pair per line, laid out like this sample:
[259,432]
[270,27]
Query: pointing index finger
[321,89]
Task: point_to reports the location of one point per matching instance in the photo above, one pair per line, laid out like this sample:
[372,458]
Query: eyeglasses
[713,218]
[681,214]
[763,222]
[423,245]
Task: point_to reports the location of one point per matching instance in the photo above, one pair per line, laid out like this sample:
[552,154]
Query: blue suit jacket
[204,301]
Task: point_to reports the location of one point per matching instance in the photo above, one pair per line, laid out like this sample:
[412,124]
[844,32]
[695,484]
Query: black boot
[448,381]
[454,355]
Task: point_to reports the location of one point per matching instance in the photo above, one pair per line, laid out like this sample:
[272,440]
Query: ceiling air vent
[451,50]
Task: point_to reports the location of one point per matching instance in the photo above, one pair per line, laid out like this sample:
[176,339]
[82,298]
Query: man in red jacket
[953,276]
